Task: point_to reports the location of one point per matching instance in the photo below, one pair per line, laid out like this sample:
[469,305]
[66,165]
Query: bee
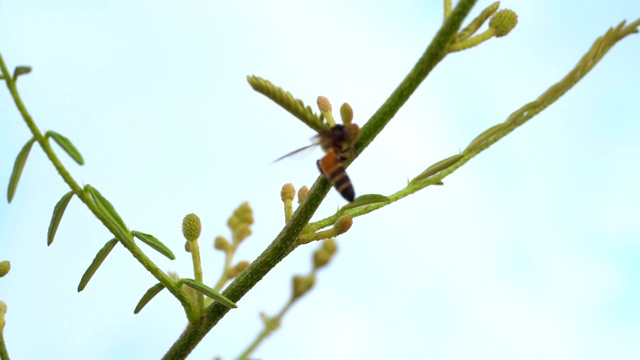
[337,143]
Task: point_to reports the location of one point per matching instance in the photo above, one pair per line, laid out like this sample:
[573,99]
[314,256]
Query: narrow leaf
[437,167]
[67,146]
[95,264]
[207,291]
[480,139]
[150,294]
[154,243]
[21,159]
[58,211]
[365,200]
[110,212]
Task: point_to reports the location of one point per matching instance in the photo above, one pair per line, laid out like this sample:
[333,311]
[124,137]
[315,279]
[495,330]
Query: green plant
[202,319]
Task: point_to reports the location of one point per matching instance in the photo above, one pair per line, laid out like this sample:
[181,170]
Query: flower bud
[302,193]
[191,227]
[343,224]
[324,104]
[221,243]
[5,266]
[288,192]
[237,269]
[301,285]
[330,246]
[503,22]
[346,113]
[321,258]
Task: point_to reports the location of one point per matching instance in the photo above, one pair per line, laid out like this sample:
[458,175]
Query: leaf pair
[197,286]
[21,159]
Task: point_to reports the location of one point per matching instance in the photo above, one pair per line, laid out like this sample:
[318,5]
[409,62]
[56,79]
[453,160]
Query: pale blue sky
[530,251]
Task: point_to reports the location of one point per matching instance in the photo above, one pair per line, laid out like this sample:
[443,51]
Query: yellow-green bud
[343,224]
[302,193]
[241,232]
[301,284]
[324,104]
[187,246]
[503,22]
[221,243]
[237,269]
[243,214]
[321,258]
[288,192]
[330,246]
[346,113]
[191,227]
[5,266]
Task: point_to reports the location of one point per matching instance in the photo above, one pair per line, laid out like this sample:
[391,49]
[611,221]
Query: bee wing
[296,152]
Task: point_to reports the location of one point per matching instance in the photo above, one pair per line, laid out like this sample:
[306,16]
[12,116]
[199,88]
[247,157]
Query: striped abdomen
[333,170]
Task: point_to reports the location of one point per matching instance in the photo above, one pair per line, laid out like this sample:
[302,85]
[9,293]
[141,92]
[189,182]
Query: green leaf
[110,212]
[95,264]
[365,200]
[150,294]
[21,159]
[67,146]
[58,211]
[20,70]
[154,243]
[207,291]
[437,167]
[484,136]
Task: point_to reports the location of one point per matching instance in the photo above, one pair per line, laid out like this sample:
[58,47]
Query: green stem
[228,259]
[86,199]
[197,269]
[284,243]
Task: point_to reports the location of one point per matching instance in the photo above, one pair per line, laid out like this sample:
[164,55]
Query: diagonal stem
[284,243]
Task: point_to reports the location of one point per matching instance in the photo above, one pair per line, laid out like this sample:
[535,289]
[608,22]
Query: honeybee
[337,142]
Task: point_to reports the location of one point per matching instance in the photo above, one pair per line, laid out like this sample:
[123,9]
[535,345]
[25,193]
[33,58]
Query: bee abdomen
[333,170]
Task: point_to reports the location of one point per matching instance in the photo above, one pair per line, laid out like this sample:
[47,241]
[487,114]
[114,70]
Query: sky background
[529,251]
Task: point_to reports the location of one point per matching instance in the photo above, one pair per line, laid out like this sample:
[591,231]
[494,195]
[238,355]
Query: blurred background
[529,251]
